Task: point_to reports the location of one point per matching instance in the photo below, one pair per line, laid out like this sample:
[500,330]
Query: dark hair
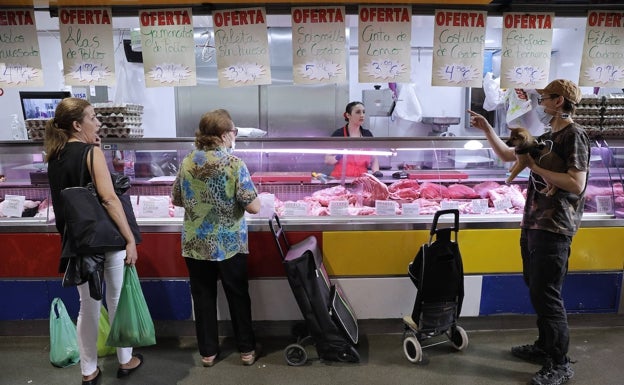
[567,106]
[59,129]
[349,108]
[212,125]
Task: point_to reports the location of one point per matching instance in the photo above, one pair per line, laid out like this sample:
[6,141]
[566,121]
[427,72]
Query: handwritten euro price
[458,73]
[605,74]
[525,76]
[244,72]
[169,72]
[384,69]
[17,73]
[320,70]
[89,72]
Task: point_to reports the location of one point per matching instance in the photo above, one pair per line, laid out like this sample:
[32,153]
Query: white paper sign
[502,204]
[13,205]
[338,208]
[479,206]
[267,205]
[604,204]
[178,212]
[295,209]
[385,207]
[411,209]
[447,205]
[154,206]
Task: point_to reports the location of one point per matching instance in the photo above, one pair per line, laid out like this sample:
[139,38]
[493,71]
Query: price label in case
[479,206]
[502,204]
[338,208]
[604,204]
[448,205]
[13,205]
[154,206]
[411,209]
[385,207]
[295,209]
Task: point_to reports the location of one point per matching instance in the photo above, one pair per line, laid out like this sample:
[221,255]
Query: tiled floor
[597,350]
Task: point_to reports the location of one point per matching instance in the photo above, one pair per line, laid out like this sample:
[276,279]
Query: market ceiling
[494,7]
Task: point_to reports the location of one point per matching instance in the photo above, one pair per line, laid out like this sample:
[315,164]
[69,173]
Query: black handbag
[87,224]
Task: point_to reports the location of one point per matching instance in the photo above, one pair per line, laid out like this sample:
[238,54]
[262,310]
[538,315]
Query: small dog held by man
[524,143]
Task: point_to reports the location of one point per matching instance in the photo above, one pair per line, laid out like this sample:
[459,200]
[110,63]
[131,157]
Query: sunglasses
[541,98]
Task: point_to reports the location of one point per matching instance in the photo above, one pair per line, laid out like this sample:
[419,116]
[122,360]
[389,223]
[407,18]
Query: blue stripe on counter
[582,293]
[31,299]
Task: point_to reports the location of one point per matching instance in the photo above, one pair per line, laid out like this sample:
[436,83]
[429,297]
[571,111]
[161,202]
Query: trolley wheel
[349,355]
[459,338]
[412,349]
[295,355]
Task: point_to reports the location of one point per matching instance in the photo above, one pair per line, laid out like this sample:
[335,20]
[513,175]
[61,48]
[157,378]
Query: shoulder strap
[87,151]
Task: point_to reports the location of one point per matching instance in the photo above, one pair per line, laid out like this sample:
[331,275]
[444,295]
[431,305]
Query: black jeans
[545,264]
[203,279]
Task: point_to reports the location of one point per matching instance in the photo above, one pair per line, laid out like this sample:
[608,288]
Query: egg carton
[116,108]
[120,120]
[121,132]
[36,133]
[35,123]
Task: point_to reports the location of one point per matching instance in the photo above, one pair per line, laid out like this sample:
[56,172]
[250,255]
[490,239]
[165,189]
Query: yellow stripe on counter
[382,253]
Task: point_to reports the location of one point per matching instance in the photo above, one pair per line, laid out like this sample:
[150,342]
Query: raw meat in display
[512,192]
[430,190]
[370,188]
[403,184]
[336,193]
[459,191]
[405,194]
[483,188]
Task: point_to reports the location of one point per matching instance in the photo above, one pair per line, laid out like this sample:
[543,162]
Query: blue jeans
[545,264]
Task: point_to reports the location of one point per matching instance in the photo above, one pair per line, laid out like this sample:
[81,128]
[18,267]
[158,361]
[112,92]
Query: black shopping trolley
[330,323]
[438,274]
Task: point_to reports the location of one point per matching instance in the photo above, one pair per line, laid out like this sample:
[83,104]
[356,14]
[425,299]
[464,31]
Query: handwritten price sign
[320,70]
[14,74]
[458,73]
[169,73]
[385,69]
[89,72]
[244,72]
[605,74]
[526,76]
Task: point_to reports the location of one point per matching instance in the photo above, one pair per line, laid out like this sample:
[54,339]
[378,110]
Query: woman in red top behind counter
[355,165]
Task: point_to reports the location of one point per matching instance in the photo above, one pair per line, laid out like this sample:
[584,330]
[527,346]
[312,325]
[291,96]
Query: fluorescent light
[317,151]
[473,145]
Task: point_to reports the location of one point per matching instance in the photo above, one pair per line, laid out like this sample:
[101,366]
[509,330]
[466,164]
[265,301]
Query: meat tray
[282,176]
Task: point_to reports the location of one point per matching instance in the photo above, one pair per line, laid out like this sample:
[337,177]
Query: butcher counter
[367,254]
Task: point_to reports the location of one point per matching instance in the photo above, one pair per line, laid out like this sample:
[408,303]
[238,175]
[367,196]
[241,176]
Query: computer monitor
[41,104]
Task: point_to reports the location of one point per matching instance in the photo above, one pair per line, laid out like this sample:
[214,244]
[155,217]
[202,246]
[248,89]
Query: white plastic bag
[407,106]
[517,109]
[494,96]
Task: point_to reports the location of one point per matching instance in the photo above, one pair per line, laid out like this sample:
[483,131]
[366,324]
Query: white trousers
[89,314]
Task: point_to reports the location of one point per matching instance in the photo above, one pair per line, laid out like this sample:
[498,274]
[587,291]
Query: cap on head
[569,90]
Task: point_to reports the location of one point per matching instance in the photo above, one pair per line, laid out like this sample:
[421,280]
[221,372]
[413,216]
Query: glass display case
[419,176]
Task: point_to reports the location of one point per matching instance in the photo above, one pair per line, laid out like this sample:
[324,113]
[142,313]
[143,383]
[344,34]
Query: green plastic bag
[104,350]
[133,325]
[63,336]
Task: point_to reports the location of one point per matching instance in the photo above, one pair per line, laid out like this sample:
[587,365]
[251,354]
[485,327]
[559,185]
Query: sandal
[209,361]
[248,358]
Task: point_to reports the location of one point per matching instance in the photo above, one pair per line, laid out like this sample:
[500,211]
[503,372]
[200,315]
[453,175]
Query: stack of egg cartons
[120,120]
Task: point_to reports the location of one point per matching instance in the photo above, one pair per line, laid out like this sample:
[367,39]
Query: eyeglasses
[541,98]
[234,130]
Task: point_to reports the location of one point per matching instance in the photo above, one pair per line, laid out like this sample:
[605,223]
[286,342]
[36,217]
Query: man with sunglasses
[548,225]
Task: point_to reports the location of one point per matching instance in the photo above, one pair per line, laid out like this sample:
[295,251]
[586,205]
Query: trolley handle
[279,235]
[438,214]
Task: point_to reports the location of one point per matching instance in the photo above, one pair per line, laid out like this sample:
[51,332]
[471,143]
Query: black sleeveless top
[63,172]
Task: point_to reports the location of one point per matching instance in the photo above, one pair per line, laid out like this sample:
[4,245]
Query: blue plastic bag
[63,336]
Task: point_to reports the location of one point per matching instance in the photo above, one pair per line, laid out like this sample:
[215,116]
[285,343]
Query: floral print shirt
[213,187]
